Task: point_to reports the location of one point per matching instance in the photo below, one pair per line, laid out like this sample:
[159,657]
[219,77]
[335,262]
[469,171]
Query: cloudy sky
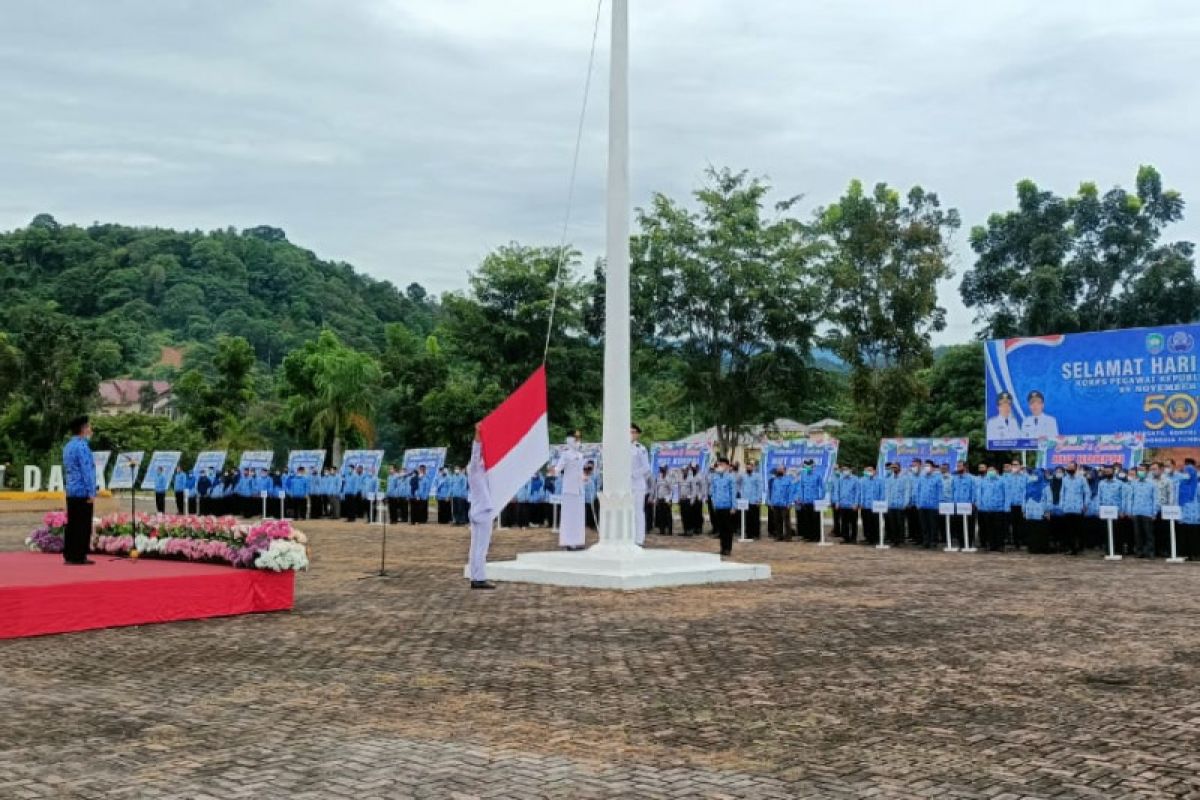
[409,137]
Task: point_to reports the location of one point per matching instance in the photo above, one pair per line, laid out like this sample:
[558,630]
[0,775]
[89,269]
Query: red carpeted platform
[40,595]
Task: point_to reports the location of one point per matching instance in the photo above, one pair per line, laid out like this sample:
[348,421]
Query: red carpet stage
[40,595]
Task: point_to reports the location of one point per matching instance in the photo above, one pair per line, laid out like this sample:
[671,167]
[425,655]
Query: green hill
[134,290]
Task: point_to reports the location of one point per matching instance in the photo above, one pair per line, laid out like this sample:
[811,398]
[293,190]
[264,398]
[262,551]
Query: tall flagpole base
[600,567]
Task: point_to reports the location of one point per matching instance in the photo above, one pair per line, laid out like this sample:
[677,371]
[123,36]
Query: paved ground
[852,673]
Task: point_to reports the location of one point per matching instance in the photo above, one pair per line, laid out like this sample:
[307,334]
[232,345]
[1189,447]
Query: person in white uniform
[481,516]
[1004,425]
[1038,424]
[640,477]
[569,468]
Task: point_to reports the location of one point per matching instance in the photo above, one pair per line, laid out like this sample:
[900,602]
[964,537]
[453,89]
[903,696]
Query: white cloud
[410,137]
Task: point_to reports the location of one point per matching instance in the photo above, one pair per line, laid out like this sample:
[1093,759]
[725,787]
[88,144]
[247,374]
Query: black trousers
[870,522]
[1143,534]
[160,502]
[807,522]
[722,519]
[664,519]
[1071,532]
[1187,540]
[912,521]
[754,521]
[458,508]
[178,502]
[894,525]
[443,511]
[847,524]
[1016,524]
[77,538]
[929,527]
[589,515]
[1037,535]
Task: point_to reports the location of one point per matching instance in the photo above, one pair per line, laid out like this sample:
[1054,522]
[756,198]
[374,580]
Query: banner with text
[950,452]
[1092,451]
[370,460]
[313,461]
[792,454]
[165,460]
[431,458]
[209,459]
[256,460]
[677,455]
[125,471]
[1142,380]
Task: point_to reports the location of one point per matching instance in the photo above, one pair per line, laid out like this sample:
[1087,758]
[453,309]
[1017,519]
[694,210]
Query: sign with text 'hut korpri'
[1142,380]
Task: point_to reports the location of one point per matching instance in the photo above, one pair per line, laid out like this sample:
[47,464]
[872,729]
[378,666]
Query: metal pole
[1112,553]
[1174,559]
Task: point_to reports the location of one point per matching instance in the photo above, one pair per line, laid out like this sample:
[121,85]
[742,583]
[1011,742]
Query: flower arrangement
[272,544]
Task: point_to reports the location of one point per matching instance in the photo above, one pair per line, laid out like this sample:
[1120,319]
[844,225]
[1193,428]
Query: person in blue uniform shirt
[1016,484]
[297,492]
[806,491]
[418,485]
[392,490]
[180,487]
[1004,425]
[962,490]
[1035,512]
[929,497]
[896,487]
[870,491]
[723,490]
[1038,424]
[992,502]
[440,489]
[80,489]
[161,483]
[1074,499]
[751,490]
[459,502]
[1142,507]
[779,499]
[193,503]
[348,492]
[849,500]
[204,484]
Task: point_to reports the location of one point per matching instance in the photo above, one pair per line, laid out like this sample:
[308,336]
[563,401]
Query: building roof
[126,391]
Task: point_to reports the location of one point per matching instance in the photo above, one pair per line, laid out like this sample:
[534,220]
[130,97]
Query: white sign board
[1109,512]
[879,506]
[1172,513]
[963,508]
[946,509]
[821,505]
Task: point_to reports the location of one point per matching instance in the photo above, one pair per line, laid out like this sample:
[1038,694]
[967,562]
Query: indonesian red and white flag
[516,439]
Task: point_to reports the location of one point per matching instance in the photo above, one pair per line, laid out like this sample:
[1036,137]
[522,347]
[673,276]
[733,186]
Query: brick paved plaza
[852,673]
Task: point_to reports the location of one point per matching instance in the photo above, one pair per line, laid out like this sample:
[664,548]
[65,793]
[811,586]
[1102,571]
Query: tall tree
[952,402]
[500,327]
[331,391]
[883,257]
[1083,263]
[218,395]
[729,287]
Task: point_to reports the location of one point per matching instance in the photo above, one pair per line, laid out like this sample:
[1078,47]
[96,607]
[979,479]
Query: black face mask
[1070,472]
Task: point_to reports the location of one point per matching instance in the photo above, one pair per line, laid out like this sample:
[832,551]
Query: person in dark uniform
[80,491]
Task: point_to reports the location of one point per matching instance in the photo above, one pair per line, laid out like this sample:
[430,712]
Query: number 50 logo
[1175,411]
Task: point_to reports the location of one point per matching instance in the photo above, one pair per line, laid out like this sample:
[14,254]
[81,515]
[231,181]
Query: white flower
[281,556]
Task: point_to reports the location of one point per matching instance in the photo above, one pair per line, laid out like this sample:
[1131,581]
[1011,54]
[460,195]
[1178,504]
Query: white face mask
[915,470]
[928,470]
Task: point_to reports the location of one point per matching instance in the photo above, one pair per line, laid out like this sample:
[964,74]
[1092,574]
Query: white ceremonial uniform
[640,475]
[999,427]
[1039,427]
[481,515]
[570,470]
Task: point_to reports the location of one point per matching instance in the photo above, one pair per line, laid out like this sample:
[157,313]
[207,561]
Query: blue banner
[1092,451]
[256,460]
[100,460]
[940,451]
[125,470]
[370,460]
[1143,380]
[209,459]
[167,461]
[677,455]
[432,458]
[313,461]
[792,454]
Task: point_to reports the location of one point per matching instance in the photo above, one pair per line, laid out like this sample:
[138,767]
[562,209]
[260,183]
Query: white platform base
[604,567]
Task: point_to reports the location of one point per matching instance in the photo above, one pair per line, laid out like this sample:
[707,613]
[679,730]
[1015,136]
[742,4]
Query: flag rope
[562,244]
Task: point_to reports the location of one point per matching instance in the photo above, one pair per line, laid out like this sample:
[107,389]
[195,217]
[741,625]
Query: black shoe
[84,563]
[482,585]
